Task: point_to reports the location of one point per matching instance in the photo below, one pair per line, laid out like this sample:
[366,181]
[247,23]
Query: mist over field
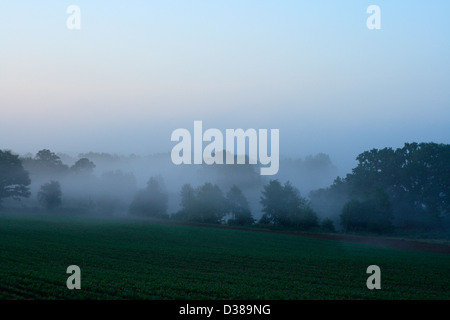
[113,180]
[390,190]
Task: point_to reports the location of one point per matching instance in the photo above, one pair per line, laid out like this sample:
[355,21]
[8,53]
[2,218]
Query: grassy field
[136,260]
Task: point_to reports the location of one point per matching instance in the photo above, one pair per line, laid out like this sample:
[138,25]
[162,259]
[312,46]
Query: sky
[138,70]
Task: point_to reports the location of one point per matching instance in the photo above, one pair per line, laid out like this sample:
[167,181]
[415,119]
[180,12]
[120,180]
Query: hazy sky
[137,70]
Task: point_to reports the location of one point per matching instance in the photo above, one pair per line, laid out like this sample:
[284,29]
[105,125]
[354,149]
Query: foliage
[330,201]
[373,214]
[415,179]
[205,204]
[151,201]
[49,195]
[327,225]
[14,180]
[83,166]
[238,207]
[283,206]
[46,164]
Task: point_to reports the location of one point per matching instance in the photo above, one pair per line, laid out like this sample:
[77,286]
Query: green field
[137,260]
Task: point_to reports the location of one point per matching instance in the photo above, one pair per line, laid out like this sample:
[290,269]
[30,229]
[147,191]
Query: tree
[45,164]
[83,166]
[265,220]
[303,218]
[151,201]
[210,204]
[238,207]
[425,182]
[373,214]
[327,225]
[14,179]
[205,204]
[328,202]
[272,201]
[415,180]
[283,206]
[415,177]
[295,210]
[188,202]
[354,216]
[49,195]
[188,199]
[48,157]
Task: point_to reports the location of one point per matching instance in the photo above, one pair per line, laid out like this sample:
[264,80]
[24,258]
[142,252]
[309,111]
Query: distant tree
[354,216]
[48,157]
[425,183]
[330,201]
[303,218]
[415,179]
[14,180]
[373,214]
[295,210]
[327,225]
[238,207]
[102,158]
[283,206]
[45,164]
[272,201]
[205,204]
[151,201]
[83,166]
[264,220]
[380,211]
[49,195]
[210,204]
[188,199]
[187,203]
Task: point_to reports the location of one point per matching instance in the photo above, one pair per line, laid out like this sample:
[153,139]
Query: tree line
[282,205]
[405,188]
